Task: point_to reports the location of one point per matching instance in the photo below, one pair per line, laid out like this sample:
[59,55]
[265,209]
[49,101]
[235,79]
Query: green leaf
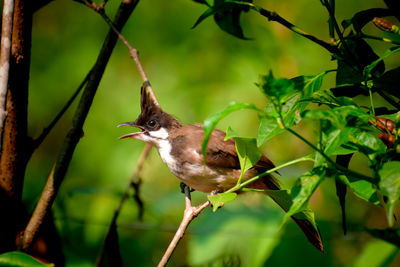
[212,121]
[276,89]
[303,190]
[284,200]
[350,70]
[361,188]
[286,97]
[336,139]
[390,186]
[339,116]
[19,259]
[220,199]
[209,12]
[247,150]
[227,17]
[326,97]
[370,67]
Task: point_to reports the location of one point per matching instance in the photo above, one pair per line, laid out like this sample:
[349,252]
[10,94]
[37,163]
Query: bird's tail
[310,231]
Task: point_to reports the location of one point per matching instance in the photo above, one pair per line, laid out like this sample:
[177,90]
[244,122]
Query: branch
[134,182]
[60,168]
[6,34]
[272,16]
[189,214]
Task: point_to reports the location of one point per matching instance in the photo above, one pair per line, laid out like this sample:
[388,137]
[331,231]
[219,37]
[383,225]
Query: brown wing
[221,153]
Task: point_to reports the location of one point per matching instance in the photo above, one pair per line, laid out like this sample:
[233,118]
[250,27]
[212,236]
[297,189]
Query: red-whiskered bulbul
[179,147]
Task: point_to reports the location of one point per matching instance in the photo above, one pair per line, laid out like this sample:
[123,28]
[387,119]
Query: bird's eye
[151,123]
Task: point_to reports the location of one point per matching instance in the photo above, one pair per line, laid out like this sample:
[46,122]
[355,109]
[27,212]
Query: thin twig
[6,33]
[189,214]
[133,52]
[36,142]
[383,39]
[133,181]
[71,140]
[273,16]
[336,26]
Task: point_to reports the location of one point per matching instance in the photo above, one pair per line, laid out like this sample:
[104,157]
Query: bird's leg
[183,185]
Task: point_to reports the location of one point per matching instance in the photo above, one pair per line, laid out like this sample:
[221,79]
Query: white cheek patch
[160,134]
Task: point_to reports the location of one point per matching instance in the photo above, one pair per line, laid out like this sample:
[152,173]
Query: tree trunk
[14,154]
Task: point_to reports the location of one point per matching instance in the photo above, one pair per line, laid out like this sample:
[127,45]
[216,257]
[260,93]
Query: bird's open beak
[134,134]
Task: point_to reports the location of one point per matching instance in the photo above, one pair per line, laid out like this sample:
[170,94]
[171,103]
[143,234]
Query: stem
[383,39]
[249,181]
[372,102]
[336,26]
[134,53]
[189,214]
[272,16]
[337,166]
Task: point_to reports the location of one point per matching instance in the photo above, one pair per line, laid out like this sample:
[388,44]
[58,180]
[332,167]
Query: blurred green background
[195,73]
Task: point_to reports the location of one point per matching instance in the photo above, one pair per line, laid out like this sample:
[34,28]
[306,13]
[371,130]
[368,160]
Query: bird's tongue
[130,135]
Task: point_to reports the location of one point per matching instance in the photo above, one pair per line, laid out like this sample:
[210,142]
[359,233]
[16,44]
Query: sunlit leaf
[286,97]
[246,148]
[303,190]
[220,199]
[390,186]
[19,259]
[361,188]
[211,121]
[284,200]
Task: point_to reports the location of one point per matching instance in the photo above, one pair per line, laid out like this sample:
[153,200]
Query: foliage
[345,127]
[248,232]
[19,259]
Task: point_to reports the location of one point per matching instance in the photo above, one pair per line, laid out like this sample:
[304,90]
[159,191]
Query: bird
[179,147]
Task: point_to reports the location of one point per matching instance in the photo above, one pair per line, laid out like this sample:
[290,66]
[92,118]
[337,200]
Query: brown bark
[14,140]
[13,158]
